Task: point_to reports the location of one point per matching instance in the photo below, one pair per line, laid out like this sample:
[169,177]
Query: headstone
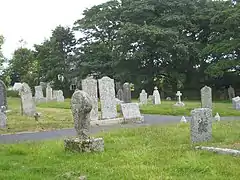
[3,117]
[150,98]
[89,85]
[120,94]
[38,92]
[81,106]
[168,98]
[231,92]
[201,125]
[131,111]
[55,94]
[206,97]
[179,103]
[107,98]
[118,86]
[156,96]
[3,94]
[236,103]
[49,95]
[16,86]
[127,93]
[143,97]
[60,97]
[217,117]
[27,104]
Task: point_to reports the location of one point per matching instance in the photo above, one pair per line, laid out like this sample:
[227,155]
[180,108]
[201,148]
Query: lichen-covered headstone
[156,96]
[49,93]
[28,106]
[143,97]
[120,94]
[81,106]
[206,97]
[131,112]
[107,98]
[126,92]
[231,92]
[3,94]
[201,125]
[89,85]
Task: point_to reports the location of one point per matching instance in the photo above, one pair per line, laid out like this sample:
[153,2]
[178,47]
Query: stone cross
[89,85]
[206,97]
[81,106]
[179,94]
[201,124]
[126,93]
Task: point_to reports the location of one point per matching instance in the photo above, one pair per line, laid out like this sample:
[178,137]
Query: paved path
[56,134]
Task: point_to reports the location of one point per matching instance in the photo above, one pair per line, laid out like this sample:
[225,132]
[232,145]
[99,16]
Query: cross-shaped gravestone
[179,94]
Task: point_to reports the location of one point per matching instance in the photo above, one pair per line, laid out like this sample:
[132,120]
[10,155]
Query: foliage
[11,93]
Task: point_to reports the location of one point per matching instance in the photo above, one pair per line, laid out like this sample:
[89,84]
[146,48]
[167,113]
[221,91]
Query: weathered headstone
[206,97]
[156,96]
[55,94]
[118,86]
[120,94]
[107,98]
[231,92]
[126,93]
[236,103]
[3,117]
[81,106]
[179,103]
[89,85]
[3,94]
[201,124]
[49,95]
[60,97]
[16,86]
[143,97]
[131,111]
[27,104]
[39,94]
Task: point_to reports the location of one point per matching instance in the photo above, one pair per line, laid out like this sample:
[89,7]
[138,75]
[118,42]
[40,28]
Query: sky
[33,20]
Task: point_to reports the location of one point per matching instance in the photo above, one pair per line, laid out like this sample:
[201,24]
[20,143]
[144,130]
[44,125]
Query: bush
[11,93]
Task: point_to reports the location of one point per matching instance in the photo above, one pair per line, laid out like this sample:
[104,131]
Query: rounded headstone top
[81,101]
[155,88]
[143,91]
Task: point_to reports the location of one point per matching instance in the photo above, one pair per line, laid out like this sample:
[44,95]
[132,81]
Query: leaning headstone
[3,94]
[231,92]
[49,95]
[201,125]
[81,106]
[60,97]
[236,103]
[107,98]
[89,85]
[179,103]
[27,104]
[143,97]
[120,94]
[3,117]
[206,97]
[127,93]
[131,112]
[156,96]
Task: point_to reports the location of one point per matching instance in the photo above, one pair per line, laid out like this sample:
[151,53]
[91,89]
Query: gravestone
[131,111]
[39,94]
[143,97]
[201,125]
[120,94]
[156,96]
[49,93]
[179,103]
[118,86]
[126,93]
[55,95]
[3,94]
[168,99]
[107,98]
[16,86]
[231,92]
[89,85]
[206,97]
[27,104]
[236,103]
[3,117]
[81,106]
[60,97]
[150,98]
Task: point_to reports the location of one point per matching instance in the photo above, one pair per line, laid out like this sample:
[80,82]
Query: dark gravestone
[126,93]
[120,94]
[3,94]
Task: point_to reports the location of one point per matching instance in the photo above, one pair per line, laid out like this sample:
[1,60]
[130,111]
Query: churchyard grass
[160,152]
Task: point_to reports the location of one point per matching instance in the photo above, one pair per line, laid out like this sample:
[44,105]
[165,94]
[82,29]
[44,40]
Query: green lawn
[147,153]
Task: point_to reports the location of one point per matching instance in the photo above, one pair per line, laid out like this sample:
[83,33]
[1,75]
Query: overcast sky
[33,20]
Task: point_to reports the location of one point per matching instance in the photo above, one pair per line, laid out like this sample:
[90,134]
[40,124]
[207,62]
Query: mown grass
[147,153]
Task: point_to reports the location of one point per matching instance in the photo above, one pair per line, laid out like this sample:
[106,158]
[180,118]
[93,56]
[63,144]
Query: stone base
[89,145]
